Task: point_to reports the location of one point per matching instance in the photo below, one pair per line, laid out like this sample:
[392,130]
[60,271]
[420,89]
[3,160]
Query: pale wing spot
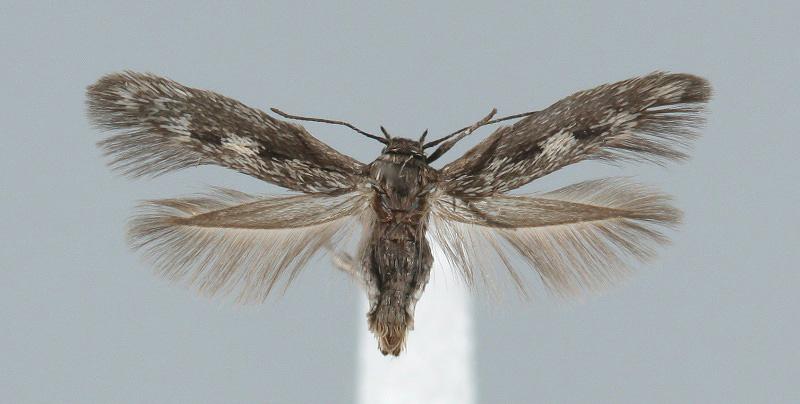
[178,126]
[558,144]
[240,145]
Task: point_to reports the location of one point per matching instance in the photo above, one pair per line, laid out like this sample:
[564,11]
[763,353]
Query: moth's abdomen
[398,259]
[403,269]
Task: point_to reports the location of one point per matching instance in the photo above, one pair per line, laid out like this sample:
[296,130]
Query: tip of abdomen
[390,324]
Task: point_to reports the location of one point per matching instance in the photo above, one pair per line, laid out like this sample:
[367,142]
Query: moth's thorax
[398,261]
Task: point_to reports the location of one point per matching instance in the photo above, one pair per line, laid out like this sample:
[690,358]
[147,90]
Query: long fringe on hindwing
[582,237]
[230,241]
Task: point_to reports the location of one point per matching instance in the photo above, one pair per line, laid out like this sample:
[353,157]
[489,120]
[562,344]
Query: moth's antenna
[305,118]
[463,133]
[505,118]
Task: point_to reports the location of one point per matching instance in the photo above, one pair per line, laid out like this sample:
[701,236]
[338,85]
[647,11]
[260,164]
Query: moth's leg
[353,267]
[347,264]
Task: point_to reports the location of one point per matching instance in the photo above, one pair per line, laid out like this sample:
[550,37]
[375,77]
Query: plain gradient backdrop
[713,319]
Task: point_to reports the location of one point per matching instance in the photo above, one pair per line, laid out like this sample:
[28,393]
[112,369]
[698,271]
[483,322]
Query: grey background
[83,320]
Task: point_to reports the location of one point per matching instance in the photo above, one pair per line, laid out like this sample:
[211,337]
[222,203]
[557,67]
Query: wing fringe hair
[580,238]
[229,241]
[670,113]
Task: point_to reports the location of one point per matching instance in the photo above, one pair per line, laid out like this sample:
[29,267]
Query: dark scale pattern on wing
[651,118]
[162,126]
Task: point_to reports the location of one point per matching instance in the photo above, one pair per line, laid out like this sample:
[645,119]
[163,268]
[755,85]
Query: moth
[577,238]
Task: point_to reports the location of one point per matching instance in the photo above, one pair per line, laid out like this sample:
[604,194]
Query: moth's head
[408,147]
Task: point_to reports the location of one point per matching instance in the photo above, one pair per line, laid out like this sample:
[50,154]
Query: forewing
[651,118]
[161,126]
[579,238]
[233,242]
